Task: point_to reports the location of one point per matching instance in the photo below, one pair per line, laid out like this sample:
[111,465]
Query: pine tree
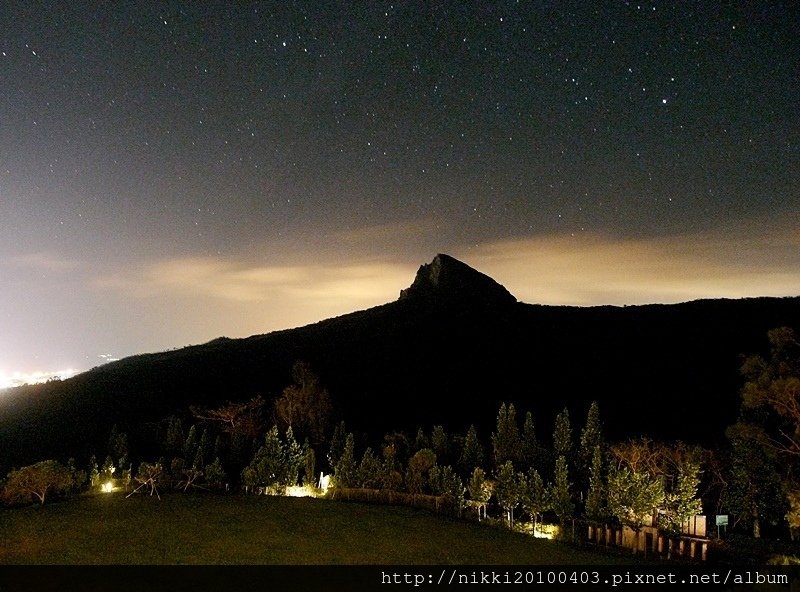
[345,471]
[421,441]
[219,448]
[440,444]
[369,471]
[293,459]
[480,490]
[560,496]
[175,438]
[591,436]
[472,454]
[107,472]
[536,500]
[562,435]
[267,466]
[507,490]
[118,447]
[190,446]
[337,444]
[444,481]
[94,474]
[531,452]
[215,474]
[595,497]
[310,475]
[505,441]
[198,463]
[204,445]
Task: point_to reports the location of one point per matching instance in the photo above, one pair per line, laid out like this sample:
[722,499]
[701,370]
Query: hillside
[452,348]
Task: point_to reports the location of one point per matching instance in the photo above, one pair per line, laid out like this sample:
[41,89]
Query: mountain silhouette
[453,347]
[448,279]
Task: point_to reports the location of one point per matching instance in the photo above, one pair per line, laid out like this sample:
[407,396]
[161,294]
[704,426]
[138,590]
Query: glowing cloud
[591,270]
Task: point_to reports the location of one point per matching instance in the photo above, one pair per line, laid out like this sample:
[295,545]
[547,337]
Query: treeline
[571,473]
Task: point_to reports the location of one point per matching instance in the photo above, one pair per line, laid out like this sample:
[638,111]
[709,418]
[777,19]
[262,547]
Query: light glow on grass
[302,491]
[540,531]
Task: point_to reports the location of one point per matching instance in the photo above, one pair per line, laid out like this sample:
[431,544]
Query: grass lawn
[218,529]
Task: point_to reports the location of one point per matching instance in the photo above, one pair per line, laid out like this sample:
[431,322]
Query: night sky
[171,173]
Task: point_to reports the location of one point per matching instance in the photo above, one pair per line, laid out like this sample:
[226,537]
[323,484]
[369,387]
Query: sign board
[722,520]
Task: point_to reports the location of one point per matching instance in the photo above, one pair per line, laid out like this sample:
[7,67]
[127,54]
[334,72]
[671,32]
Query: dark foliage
[447,353]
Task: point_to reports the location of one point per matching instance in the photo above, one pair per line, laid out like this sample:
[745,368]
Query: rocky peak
[448,279]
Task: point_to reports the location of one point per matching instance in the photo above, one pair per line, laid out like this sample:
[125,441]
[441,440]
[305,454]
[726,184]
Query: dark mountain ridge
[452,348]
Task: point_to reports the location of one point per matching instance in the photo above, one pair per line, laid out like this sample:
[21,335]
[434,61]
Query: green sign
[722,520]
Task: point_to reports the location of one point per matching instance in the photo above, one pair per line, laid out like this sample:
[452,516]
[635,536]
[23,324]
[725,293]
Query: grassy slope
[208,529]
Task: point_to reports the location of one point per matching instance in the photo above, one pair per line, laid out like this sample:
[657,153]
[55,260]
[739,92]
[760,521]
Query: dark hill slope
[453,347]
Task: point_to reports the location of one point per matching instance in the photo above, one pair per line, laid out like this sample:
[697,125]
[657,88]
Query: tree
[148,477]
[310,473]
[505,441]
[190,446]
[562,435]
[118,447]
[78,476]
[421,440]
[345,472]
[175,438]
[189,475]
[267,467]
[242,419]
[215,474]
[633,497]
[38,481]
[682,502]
[774,385]
[472,454]
[560,496]
[107,472]
[754,493]
[440,443]
[480,490]
[305,405]
[508,490]
[204,446]
[391,471]
[293,459]
[765,451]
[445,481]
[595,498]
[591,437]
[793,513]
[391,477]
[337,444]
[531,450]
[94,473]
[219,448]
[536,500]
[419,466]
[369,471]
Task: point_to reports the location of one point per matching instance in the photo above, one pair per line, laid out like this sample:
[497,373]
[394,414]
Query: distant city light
[20,378]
